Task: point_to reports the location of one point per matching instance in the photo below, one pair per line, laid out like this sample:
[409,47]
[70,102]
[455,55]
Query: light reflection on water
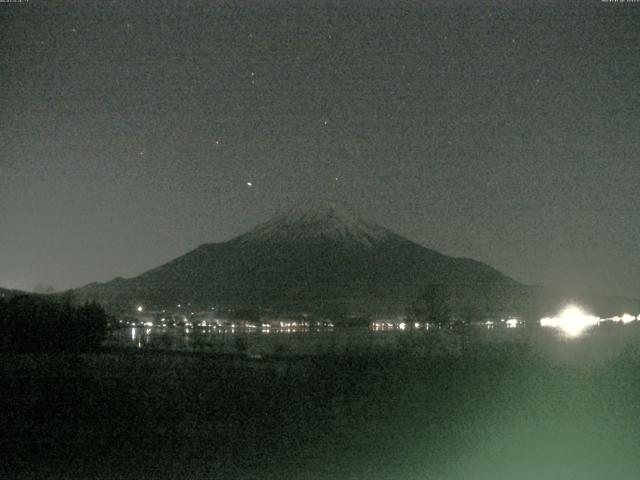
[253,340]
[597,345]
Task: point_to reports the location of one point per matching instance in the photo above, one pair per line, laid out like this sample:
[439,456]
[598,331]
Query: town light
[572,321]
[626,318]
[512,323]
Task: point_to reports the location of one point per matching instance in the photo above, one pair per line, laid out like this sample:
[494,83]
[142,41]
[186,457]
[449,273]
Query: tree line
[442,304]
[34,323]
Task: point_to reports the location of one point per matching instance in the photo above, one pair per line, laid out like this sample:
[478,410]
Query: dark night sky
[508,132]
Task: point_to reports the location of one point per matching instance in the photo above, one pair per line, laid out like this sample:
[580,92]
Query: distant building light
[512,322]
[140,308]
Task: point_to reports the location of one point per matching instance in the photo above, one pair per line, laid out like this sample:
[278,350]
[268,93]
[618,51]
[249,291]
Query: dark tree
[433,305]
[31,323]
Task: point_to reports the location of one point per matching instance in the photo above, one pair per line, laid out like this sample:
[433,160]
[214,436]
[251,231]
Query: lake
[596,344]
[255,341]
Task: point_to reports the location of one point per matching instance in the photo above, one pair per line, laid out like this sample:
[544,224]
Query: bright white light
[249,184]
[512,323]
[140,308]
[572,321]
[626,318]
[402,326]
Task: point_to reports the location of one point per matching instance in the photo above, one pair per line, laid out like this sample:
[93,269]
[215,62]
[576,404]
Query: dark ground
[510,410]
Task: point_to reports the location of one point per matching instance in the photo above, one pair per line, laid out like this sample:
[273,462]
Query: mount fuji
[317,257]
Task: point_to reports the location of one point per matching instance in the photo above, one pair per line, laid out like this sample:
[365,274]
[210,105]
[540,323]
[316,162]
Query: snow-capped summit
[318,219]
[315,257]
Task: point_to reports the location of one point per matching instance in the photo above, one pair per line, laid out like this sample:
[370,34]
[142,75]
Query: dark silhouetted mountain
[317,257]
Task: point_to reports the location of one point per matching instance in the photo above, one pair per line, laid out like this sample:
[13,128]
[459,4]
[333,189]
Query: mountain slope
[320,257]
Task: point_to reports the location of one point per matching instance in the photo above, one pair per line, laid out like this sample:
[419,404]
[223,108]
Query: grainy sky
[508,132]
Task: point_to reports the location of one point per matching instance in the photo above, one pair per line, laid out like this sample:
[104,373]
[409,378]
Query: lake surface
[256,341]
[597,344]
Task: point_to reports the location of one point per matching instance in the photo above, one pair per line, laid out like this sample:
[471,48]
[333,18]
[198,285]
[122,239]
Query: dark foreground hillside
[523,408]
